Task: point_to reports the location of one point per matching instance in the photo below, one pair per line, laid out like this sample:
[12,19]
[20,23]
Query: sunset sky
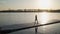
[29,4]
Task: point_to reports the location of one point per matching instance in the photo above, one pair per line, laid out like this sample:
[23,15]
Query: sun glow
[45,4]
[43,18]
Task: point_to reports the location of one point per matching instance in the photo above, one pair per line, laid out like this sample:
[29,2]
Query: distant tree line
[30,10]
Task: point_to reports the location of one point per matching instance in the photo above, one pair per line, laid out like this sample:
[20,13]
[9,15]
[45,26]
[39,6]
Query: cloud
[2,2]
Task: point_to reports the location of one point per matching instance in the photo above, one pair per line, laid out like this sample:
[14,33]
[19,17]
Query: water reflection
[43,18]
[47,18]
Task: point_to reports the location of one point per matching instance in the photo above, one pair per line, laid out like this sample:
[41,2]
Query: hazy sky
[21,4]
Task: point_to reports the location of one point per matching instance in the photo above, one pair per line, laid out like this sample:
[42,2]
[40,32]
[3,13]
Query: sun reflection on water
[44,17]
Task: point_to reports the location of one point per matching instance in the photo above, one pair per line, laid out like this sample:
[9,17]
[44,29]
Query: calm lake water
[24,18]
